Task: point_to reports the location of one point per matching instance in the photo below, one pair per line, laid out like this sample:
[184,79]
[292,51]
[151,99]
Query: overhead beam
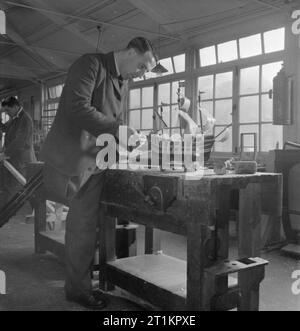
[84,19]
[268,4]
[159,15]
[156,13]
[43,58]
[61,22]
[14,75]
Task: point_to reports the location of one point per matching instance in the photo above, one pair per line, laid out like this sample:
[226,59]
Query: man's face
[11,111]
[137,64]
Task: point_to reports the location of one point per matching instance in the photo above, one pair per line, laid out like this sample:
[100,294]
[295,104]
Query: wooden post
[249,221]
[152,242]
[222,229]
[250,245]
[196,237]
[107,246]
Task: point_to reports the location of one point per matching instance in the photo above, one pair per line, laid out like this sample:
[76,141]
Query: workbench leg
[152,242]
[40,216]
[196,237]
[222,230]
[249,283]
[107,247]
[249,244]
[249,221]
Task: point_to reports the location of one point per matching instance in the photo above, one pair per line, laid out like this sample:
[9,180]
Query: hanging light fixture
[159,69]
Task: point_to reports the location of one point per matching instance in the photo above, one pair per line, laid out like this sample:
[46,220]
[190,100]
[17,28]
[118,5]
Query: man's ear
[132,52]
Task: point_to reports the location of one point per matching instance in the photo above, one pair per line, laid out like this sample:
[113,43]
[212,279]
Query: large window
[256,107]
[141,103]
[168,99]
[254,45]
[52,101]
[174,65]
[241,95]
[217,94]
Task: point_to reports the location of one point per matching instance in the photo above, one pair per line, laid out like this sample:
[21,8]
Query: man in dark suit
[18,143]
[93,102]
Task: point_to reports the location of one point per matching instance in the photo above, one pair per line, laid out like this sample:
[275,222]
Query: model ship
[161,145]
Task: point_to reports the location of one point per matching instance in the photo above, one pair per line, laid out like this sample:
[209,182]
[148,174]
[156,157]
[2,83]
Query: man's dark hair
[142,45]
[10,102]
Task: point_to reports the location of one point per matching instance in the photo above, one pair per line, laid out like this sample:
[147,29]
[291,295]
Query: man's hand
[127,134]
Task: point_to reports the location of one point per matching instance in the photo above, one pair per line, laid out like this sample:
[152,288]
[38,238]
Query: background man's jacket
[18,145]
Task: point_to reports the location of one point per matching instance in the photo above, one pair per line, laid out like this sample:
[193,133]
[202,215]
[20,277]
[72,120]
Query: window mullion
[235,110]
[260,110]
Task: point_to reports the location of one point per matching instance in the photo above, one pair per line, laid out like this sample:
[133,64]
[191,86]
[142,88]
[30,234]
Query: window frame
[236,67]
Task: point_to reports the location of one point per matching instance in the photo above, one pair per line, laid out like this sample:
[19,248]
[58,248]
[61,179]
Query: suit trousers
[81,225]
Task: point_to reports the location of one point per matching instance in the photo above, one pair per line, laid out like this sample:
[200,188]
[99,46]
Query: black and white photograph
[149,158]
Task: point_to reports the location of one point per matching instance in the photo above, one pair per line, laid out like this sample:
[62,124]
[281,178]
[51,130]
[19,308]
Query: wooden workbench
[199,208]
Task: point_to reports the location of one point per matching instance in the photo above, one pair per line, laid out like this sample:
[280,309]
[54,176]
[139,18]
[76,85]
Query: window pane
[266,108]
[147,119]
[179,62]
[134,119]
[166,116]
[59,89]
[208,106]
[208,56]
[175,131]
[175,119]
[167,132]
[271,134]
[223,111]
[269,71]
[249,109]
[249,80]
[227,51]
[206,85]
[250,46]
[167,63]
[138,79]
[55,91]
[135,99]
[164,93]
[225,146]
[224,85]
[274,40]
[147,97]
[145,132]
[150,74]
[52,105]
[175,86]
[249,129]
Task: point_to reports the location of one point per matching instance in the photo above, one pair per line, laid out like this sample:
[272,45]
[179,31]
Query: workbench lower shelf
[53,242]
[159,279]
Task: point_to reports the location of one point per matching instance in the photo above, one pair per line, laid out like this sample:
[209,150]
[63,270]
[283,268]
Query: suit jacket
[93,99]
[18,144]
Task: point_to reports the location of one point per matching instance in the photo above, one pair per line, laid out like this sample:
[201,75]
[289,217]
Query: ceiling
[44,37]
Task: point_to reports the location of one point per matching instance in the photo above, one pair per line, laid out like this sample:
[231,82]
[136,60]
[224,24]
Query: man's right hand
[124,138]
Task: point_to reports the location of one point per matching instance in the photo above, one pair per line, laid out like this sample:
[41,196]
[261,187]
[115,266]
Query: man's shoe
[95,300]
